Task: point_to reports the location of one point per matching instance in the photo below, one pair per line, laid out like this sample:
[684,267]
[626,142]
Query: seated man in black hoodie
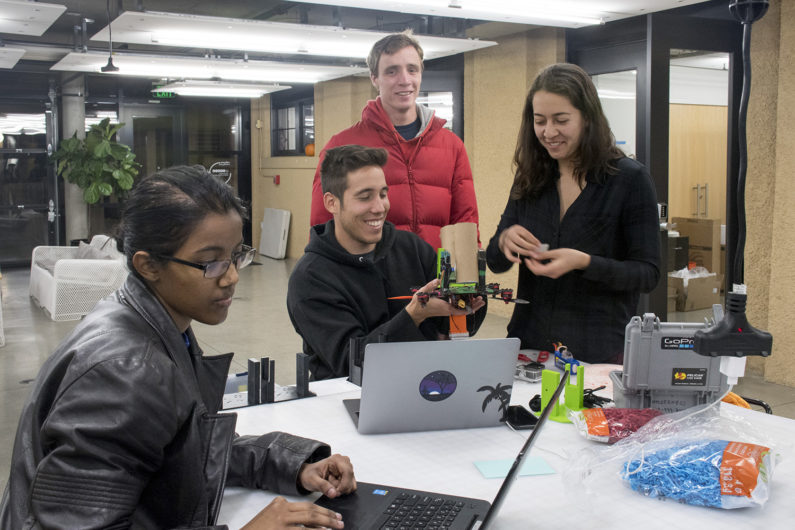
[353,264]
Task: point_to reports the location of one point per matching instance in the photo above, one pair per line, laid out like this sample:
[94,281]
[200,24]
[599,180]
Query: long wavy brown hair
[597,151]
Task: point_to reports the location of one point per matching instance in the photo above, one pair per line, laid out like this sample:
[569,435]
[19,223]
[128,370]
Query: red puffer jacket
[429,178]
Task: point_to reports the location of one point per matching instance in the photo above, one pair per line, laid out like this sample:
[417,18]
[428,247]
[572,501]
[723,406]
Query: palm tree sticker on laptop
[501,393]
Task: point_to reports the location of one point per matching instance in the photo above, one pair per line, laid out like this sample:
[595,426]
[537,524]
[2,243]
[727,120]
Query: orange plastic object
[733,399]
[739,469]
[458,325]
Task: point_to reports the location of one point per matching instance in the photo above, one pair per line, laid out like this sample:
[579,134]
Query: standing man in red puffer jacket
[428,173]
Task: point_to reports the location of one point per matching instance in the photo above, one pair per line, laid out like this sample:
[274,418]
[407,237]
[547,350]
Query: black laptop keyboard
[420,511]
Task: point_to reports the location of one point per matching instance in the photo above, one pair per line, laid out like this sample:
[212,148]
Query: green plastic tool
[573,396]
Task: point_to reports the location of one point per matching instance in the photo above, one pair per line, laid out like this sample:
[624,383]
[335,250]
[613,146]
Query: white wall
[699,86]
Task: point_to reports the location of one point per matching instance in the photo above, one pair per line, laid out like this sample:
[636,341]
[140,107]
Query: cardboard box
[700,293]
[706,258]
[671,303]
[671,297]
[704,240]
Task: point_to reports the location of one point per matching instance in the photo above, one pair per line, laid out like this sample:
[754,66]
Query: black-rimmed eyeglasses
[242,258]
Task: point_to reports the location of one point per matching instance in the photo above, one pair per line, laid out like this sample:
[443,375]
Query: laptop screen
[517,463]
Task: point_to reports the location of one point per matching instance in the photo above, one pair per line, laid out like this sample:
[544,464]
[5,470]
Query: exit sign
[162,94]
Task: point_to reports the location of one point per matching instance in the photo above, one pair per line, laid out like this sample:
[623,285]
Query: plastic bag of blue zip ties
[703,456]
[716,473]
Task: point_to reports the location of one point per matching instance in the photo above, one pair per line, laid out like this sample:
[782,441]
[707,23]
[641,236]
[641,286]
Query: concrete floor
[257,326]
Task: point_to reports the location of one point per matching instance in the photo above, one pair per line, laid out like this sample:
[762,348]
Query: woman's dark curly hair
[597,151]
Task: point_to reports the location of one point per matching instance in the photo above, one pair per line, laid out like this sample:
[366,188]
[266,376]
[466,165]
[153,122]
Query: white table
[443,461]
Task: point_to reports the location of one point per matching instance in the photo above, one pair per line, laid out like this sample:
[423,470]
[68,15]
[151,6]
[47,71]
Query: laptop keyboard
[420,511]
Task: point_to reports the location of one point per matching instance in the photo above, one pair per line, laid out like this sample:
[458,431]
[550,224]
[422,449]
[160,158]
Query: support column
[73,111]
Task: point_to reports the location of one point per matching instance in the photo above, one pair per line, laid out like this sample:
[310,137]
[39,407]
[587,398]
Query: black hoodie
[334,295]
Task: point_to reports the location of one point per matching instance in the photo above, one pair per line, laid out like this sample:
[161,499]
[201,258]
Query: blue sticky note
[534,465]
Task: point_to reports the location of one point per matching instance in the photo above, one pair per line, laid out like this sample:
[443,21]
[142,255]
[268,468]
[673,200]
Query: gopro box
[662,371]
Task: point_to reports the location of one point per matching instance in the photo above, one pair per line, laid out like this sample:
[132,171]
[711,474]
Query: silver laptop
[424,386]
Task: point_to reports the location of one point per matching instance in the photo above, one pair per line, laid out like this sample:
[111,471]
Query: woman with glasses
[122,427]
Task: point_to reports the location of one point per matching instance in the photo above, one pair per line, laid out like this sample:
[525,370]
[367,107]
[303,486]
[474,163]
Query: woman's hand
[280,514]
[555,263]
[332,476]
[516,242]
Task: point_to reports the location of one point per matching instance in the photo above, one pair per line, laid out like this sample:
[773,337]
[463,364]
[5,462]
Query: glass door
[218,139]
[698,140]
[698,134]
[29,190]
[155,133]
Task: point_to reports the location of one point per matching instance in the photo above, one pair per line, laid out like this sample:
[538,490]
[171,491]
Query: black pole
[734,336]
[747,12]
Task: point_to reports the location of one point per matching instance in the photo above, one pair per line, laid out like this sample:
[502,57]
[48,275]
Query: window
[293,122]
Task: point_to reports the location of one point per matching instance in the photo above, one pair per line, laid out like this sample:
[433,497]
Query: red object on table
[543,356]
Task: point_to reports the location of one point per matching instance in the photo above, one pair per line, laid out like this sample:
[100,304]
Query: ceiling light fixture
[219,89]
[9,56]
[110,67]
[28,18]
[192,31]
[164,66]
[561,13]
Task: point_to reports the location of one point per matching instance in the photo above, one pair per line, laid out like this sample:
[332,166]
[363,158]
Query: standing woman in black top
[575,191]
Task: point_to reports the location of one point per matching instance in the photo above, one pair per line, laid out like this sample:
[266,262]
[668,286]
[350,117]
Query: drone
[460,294]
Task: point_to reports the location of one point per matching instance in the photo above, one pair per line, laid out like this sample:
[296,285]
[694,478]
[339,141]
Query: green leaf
[91,194]
[113,130]
[126,181]
[105,188]
[102,149]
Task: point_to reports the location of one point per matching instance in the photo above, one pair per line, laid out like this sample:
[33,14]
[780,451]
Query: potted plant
[98,164]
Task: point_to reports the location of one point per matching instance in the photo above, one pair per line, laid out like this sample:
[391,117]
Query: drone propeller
[508,299]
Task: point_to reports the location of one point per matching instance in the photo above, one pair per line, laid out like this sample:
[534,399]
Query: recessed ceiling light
[28,18]
[9,56]
[219,89]
[192,31]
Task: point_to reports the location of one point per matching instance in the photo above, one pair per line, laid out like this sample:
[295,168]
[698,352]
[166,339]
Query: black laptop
[375,506]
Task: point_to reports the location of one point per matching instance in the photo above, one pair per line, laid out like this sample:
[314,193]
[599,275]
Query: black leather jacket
[122,430]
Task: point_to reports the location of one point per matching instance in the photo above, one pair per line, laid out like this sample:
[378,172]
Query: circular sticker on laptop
[438,385]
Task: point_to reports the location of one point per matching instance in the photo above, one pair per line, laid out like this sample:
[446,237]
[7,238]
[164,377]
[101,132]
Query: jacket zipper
[412,183]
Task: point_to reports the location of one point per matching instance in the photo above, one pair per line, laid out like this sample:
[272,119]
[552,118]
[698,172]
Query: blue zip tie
[688,472]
